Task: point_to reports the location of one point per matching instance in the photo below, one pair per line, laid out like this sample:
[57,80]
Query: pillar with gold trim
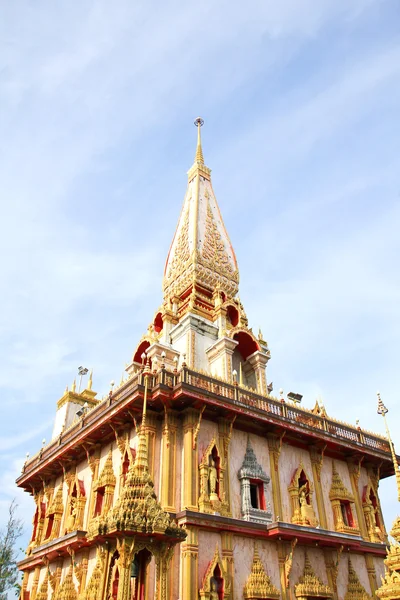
[189,476]
[317,456]
[189,565]
[274,446]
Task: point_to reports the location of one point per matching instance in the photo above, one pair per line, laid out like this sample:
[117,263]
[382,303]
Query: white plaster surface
[379,569]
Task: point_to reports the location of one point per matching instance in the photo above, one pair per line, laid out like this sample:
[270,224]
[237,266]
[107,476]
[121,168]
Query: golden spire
[199,158]
[382,410]
[142,459]
[73,387]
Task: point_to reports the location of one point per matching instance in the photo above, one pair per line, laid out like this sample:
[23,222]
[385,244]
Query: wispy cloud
[301,105]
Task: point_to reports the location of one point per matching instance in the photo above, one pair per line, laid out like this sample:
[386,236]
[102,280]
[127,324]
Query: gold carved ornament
[107,480]
[214,254]
[309,585]
[43,592]
[355,590]
[339,493]
[67,590]
[258,584]
[93,587]
[390,589]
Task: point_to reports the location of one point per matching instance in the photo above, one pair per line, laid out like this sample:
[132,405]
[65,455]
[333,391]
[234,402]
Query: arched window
[158,323]
[143,346]
[245,348]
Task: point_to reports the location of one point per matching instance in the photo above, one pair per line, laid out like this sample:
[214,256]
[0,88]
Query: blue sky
[301,106]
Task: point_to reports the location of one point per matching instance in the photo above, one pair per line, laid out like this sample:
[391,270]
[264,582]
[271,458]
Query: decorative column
[126,552]
[332,569]
[225,429]
[227,556]
[282,574]
[275,446]
[189,565]
[190,460]
[354,470]
[258,361]
[35,583]
[369,561]
[151,430]
[168,465]
[220,357]
[93,462]
[317,457]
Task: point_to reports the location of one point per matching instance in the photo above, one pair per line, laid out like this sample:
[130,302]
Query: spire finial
[382,410]
[199,152]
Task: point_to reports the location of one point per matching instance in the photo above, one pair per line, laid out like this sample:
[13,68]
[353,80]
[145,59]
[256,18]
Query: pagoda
[191,480]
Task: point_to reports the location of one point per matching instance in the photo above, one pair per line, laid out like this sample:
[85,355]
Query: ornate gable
[355,590]
[309,585]
[258,584]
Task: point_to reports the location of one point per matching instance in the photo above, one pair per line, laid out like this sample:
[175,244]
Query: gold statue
[213,479]
[70,525]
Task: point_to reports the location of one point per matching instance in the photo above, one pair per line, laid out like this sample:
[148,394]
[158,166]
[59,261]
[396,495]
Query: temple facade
[190,479]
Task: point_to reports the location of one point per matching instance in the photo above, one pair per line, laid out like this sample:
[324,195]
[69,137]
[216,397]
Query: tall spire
[201,252]
[199,158]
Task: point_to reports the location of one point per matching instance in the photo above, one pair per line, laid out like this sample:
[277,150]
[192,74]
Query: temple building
[190,480]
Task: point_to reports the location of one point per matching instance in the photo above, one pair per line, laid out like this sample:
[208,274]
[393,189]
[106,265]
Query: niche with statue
[300,491]
[216,584]
[212,497]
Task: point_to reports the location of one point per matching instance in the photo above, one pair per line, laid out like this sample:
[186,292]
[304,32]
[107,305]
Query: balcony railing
[282,411]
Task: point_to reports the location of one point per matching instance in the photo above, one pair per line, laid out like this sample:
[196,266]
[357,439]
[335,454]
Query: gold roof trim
[258,584]
[309,585]
[355,591]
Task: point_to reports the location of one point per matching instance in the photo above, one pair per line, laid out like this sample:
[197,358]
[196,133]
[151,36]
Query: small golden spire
[73,387]
[66,389]
[142,457]
[199,158]
[90,382]
[382,410]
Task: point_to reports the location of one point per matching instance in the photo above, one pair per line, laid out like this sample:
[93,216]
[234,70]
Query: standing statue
[70,525]
[213,479]
[214,589]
